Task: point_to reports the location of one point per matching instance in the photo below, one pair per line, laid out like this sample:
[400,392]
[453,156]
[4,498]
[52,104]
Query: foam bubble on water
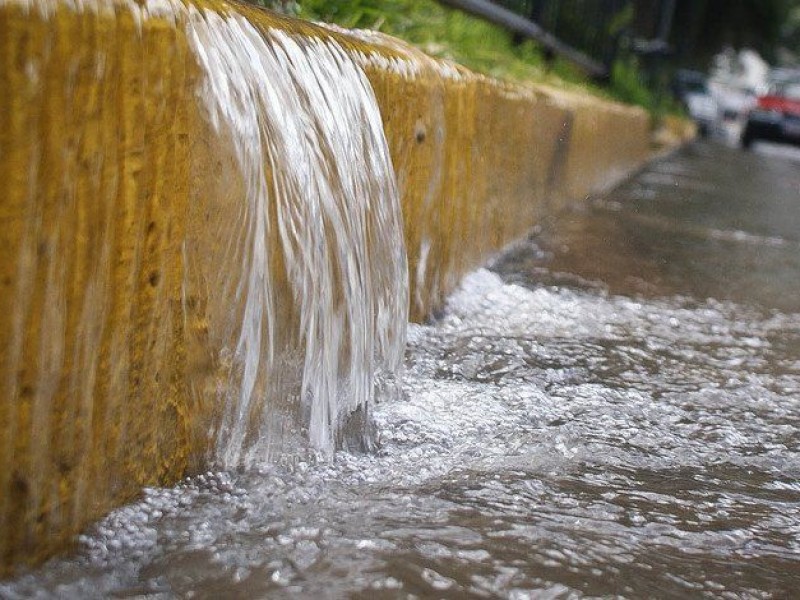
[515,464]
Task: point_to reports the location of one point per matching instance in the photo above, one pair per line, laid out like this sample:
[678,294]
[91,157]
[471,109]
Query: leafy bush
[477,44]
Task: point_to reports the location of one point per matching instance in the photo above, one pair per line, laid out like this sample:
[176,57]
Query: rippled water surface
[612,410]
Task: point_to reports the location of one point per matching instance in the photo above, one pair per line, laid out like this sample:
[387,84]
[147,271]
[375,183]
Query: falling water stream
[309,142]
[609,409]
[563,432]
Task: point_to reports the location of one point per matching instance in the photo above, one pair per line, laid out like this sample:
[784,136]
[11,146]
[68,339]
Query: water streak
[309,142]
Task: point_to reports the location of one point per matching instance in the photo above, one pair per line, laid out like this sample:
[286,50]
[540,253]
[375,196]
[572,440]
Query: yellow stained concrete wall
[493,158]
[606,140]
[95,171]
[109,170]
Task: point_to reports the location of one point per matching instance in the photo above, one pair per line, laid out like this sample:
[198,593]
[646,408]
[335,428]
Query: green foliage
[626,84]
[622,20]
[285,7]
[438,30]
[473,42]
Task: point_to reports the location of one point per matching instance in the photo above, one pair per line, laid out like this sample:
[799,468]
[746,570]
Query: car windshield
[790,90]
[696,87]
[691,83]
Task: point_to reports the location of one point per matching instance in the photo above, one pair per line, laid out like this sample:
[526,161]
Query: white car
[692,91]
[703,110]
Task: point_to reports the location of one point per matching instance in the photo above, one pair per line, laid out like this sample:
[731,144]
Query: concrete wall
[492,160]
[108,171]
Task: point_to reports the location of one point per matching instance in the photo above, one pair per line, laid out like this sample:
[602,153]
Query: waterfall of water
[202,260]
[309,143]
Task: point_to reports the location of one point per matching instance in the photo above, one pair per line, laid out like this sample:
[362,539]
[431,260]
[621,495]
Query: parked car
[776,116]
[691,89]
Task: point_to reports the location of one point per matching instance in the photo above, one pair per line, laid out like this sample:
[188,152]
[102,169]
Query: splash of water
[312,155]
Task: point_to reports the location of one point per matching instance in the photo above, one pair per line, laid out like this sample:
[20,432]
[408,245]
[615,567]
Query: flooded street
[711,222]
[611,409]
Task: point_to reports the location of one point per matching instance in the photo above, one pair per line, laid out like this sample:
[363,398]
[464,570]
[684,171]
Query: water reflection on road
[710,222]
[613,409]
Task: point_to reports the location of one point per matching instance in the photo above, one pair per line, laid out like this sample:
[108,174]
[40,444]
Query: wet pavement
[612,409]
[710,222]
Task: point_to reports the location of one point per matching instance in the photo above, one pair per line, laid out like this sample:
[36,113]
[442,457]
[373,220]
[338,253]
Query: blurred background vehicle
[776,116]
[691,90]
[736,79]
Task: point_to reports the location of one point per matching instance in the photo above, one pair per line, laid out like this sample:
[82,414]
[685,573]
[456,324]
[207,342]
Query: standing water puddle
[613,411]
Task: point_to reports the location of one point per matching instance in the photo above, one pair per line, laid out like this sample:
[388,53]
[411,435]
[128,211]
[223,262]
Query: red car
[776,117]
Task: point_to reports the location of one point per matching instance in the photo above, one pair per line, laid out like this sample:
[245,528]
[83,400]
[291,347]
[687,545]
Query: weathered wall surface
[110,171]
[479,162]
